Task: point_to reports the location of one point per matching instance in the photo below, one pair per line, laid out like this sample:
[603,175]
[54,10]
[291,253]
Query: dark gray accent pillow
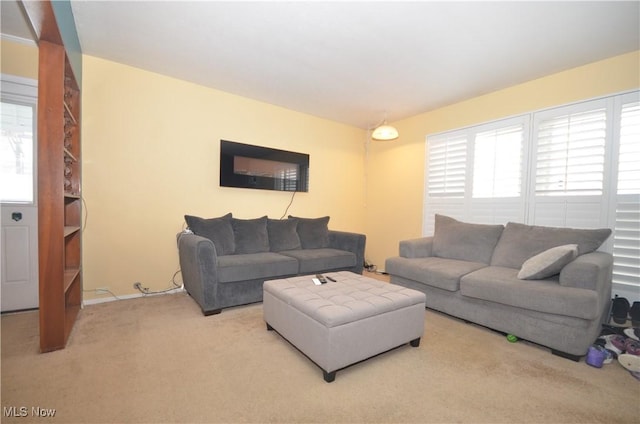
[453,239]
[313,232]
[520,242]
[251,235]
[218,230]
[283,234]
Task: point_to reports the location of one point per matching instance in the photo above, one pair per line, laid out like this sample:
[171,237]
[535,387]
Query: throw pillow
[453,239]
[313,232]
[283,234]
[251,235]
[520,242]
[218,230]
[548,263]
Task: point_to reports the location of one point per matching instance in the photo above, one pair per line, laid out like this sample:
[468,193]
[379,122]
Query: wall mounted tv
[247,166]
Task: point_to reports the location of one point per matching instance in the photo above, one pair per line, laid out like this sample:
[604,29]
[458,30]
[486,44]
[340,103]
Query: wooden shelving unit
[59,183]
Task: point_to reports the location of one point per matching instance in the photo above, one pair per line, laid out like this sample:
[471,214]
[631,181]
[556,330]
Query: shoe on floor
[633,333]
[634,314]
[615,343]
[630,362]
[632,347]
[620,310]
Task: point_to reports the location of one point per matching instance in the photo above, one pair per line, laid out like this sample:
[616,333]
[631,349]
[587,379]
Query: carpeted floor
[158,360]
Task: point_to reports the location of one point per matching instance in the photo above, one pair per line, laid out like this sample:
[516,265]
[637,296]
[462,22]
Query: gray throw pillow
[218,230]
[548,263]
[453,239]
[283,234]
[251,235]
[520,242]
[313,232]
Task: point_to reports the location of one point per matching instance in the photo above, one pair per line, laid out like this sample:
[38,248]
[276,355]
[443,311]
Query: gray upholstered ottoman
[340,323]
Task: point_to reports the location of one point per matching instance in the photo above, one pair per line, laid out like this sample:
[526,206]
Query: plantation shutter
[446,178]
[626,242]
[570,151]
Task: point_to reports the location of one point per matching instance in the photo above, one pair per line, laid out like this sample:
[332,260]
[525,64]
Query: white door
[18,207]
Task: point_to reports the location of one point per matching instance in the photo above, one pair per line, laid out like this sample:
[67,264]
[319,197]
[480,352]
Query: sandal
[630,362]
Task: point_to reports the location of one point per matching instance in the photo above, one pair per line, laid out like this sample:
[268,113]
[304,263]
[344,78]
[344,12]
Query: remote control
[321,278]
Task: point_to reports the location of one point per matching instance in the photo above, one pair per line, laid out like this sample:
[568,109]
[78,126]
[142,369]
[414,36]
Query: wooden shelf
[70,276]
[59,183]
[68,153]
[68,230]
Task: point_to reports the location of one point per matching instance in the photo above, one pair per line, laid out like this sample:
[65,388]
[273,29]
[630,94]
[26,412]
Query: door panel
[19,258]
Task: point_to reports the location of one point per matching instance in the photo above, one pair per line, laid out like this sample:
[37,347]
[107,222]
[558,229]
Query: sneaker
[630,362]
[620,310]
[633,333]
[632,347]
[634,314]
[595,356]
[615,343]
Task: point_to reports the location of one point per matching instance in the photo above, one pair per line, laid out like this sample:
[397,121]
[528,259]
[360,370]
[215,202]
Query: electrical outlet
[137,286]
[102,290]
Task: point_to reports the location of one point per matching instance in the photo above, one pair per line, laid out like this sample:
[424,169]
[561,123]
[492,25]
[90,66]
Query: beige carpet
[158,360]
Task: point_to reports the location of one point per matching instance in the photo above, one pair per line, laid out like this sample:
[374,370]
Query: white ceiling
[352,62]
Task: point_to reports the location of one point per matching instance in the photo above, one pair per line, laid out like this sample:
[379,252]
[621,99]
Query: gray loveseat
[225,260]
[543,284]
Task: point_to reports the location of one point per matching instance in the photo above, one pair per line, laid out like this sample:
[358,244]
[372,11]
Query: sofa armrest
[591,271]
[198,265]
[351,242]
[417,248]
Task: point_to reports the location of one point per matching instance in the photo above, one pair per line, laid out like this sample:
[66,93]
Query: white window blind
[626,241]
[447,167]
[570,154]
[497,162]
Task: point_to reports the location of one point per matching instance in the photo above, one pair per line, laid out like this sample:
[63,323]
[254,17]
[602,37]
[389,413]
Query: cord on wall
[286,210]
[145,290]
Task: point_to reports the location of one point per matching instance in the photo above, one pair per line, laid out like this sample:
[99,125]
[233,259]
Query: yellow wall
[19,59]
[151,154]
[395,170]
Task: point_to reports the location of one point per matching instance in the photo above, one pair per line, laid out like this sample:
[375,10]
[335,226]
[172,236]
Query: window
[573,166]
[570,154]
[17,140]
[497,163]
[626,241]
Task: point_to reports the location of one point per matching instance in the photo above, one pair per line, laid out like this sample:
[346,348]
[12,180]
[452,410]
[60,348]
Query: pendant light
[384,132]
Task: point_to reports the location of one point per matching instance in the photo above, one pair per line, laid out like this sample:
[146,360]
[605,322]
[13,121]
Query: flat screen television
[247,166]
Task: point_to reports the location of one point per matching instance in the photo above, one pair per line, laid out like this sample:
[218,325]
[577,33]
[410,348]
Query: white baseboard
[113,298]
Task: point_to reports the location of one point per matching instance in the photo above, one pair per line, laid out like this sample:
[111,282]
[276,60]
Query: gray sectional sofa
[224,261]
[543,284]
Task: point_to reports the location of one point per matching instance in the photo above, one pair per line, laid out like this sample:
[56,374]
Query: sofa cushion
[453,239]
[436,272]
[501,285]
[313,232]
[253,266]
[315,260]
[520,242]
[251,235]
[548,263]
[283,234]
[218,230]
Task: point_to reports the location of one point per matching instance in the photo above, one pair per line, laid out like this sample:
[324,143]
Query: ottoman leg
[269,328]
[329,376]
[415,342]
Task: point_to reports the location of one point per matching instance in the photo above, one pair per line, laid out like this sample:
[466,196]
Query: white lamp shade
[384,133]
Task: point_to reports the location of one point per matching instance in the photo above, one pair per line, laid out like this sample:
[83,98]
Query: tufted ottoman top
[351,298]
